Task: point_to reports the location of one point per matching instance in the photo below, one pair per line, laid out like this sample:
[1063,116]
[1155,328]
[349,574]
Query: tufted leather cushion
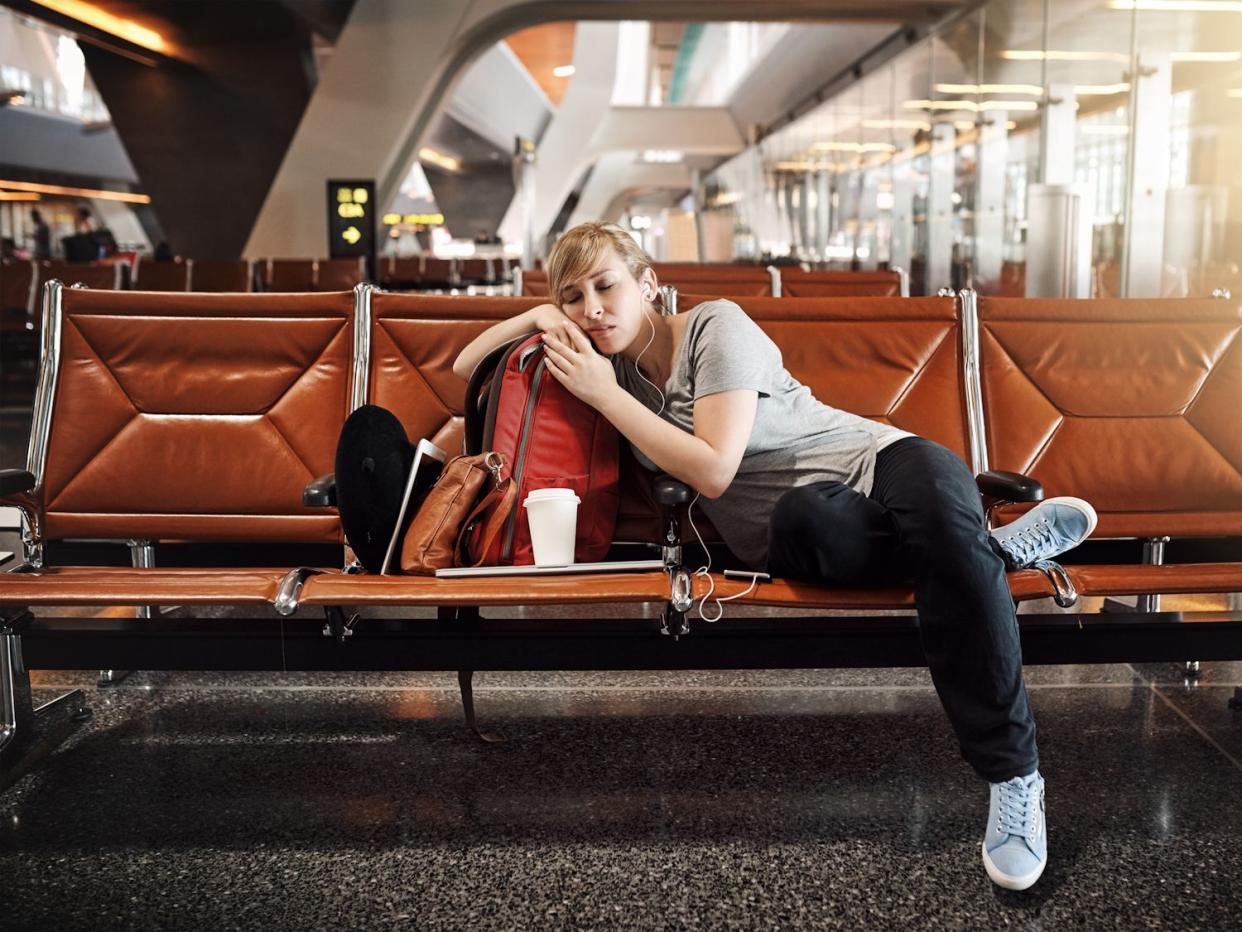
[796,283]
[196,417]
[1130,404]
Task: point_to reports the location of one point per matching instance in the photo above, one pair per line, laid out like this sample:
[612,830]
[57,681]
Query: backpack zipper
[519,460]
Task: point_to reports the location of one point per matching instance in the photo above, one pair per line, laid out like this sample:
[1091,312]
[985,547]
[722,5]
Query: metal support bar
[468,642]
[1153,555]
[775,274]
[27,733]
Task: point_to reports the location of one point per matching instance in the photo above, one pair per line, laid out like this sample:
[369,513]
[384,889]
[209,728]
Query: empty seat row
[432,272]
[753,281]
[21,279]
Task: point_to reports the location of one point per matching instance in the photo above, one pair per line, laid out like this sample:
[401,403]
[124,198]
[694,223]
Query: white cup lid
[552,495]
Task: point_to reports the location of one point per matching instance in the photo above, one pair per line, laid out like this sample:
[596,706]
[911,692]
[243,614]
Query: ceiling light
[662,156]
[1099,90]
[1205,56]
[563,71]
[896,124]
[853,147]
[104,21]
[1062,55]
[1179,6]
[1033,89]
[439,159]
[125,196]
[970,105]
[19,196]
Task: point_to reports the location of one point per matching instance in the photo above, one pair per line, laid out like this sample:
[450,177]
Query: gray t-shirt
[796,439]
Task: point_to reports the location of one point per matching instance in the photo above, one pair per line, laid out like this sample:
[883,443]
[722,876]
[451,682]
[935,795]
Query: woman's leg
[966,614]
[826,532]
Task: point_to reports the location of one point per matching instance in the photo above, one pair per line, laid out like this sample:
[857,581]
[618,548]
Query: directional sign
[351,219]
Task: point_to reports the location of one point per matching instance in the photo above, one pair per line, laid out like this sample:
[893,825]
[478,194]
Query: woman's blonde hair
[581,249]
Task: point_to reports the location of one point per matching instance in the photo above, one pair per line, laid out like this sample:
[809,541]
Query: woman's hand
[551,319]
[574,363]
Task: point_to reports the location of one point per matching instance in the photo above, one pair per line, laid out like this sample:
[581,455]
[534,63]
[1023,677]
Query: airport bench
[182,417]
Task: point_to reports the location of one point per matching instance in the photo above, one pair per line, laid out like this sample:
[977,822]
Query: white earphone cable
[705,570]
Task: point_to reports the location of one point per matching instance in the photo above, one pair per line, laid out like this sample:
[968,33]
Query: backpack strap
[478,401]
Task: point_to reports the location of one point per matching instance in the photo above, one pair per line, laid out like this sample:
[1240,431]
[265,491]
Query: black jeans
[923,522]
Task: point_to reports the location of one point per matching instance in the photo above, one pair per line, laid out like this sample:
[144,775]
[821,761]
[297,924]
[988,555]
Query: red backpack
[550,439]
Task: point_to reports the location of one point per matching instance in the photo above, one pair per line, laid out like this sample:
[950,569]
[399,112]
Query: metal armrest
[13,481]
[669,491]
[1009,486]
[321,492]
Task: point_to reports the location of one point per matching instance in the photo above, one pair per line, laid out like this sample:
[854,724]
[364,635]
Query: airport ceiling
[190,24]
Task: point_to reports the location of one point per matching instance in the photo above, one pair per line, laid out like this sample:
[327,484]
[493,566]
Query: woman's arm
[542,317]
[707,460]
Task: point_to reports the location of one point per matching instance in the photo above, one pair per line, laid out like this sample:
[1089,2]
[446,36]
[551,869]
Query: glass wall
[959,158]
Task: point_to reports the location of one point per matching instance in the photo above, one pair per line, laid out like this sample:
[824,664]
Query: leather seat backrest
[1131,404]
[534,283]
[290,275]
[414,341]
[215,275]
[196,416]
[161,276]
[893,360]
[796,283]
[340,274]
[96,275]
[17,281]
[737,280]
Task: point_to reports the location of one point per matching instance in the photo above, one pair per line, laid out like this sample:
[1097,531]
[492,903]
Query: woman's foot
[1015,847]
[1049,529]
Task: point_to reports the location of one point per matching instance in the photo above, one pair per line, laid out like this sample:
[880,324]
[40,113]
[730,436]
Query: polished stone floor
[774,799]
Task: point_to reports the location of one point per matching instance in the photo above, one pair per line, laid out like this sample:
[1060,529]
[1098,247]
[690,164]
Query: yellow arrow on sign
[351,235]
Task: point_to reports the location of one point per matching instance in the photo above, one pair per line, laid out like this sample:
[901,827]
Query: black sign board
[351,219]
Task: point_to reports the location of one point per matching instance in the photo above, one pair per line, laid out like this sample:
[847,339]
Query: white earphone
[705,570]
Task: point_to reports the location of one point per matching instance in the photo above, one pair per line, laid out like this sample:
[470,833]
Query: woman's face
[608,304]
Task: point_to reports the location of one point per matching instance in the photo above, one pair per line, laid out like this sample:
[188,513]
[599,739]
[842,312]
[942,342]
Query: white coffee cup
[553,518]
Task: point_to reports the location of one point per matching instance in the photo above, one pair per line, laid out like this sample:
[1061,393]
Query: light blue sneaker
[1015,848]
[1047,530]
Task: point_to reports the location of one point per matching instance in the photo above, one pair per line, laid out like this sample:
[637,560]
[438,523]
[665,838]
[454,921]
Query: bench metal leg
[465,681]
[111,677]
[27,734]
[141,556]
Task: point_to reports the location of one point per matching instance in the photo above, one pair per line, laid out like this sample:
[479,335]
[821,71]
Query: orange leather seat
[795,283]
[338,589]
[1130,404]
[107,585]
[187,417]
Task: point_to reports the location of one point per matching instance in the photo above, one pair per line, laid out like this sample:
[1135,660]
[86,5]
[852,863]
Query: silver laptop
[428,463]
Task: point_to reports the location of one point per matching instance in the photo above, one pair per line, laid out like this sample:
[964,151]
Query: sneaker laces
[1019,808]
[1030,543]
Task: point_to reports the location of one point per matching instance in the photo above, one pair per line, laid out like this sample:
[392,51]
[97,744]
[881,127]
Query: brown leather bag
[460,517]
